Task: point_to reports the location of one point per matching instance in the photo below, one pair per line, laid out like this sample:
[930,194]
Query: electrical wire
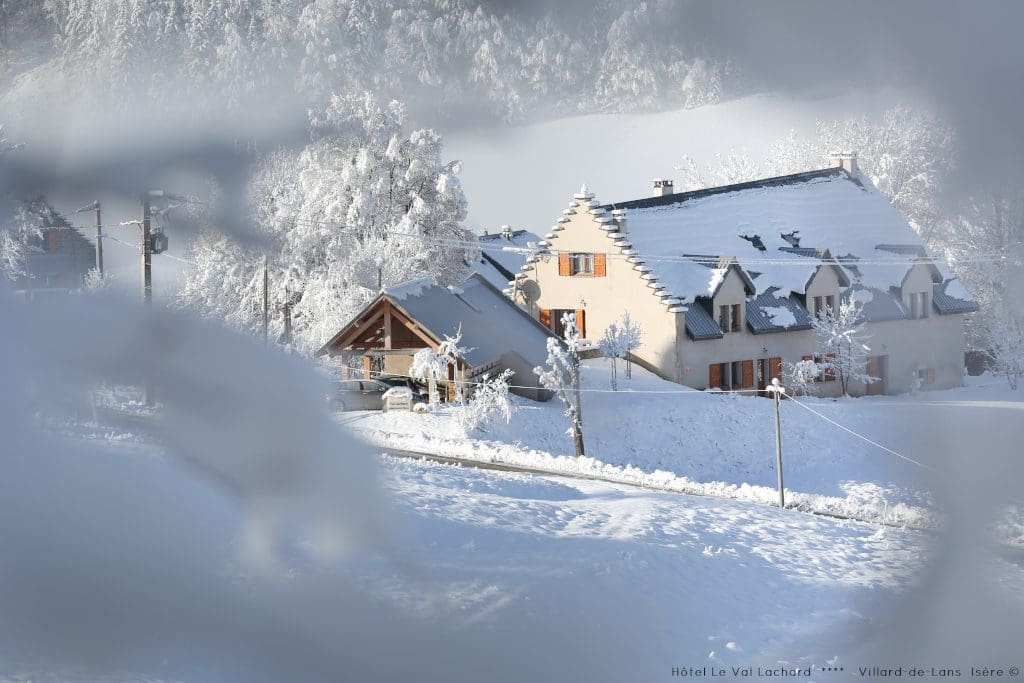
[861,436]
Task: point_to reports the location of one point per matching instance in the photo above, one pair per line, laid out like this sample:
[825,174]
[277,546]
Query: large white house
[724,280]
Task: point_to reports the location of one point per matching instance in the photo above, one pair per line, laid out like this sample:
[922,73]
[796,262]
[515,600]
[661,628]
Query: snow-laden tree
[843,344]
[489,404]
[430,368]
[618,340]
[365,205]
[632,336]
[612,346]
[985,247]
[561,375]
[906,155]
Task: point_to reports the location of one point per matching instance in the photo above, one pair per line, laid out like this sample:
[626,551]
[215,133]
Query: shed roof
[951,297]
[767,312]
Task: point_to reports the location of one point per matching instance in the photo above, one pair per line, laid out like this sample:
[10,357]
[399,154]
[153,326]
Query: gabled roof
[770,313]
[491,324]
[784,229]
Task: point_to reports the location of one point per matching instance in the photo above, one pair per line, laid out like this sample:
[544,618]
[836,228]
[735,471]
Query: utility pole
[265,299]
[95,206]
[288,324]
[147,278]
[777,390]
[99,240]
[147,254]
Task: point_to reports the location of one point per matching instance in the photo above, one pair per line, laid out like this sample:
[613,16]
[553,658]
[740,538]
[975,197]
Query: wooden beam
[387,324]
[355,334]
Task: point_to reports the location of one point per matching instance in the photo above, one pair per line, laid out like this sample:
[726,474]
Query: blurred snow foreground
[233,567]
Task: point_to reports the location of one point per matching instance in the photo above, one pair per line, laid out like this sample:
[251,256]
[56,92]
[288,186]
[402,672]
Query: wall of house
[935,343]
[825,282]
[620,290]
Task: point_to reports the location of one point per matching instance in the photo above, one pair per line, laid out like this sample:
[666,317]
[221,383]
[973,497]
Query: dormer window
[729,318]
[822,305]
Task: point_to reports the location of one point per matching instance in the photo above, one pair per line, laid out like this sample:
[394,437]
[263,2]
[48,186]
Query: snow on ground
[656,433]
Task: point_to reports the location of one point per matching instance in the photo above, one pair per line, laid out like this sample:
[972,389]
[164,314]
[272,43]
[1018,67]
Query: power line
[861,436]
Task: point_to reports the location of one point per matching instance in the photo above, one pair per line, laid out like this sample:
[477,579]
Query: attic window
[792,237]
[756,241]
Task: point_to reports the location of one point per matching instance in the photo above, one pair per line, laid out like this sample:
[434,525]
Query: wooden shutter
[600,265]
[748,374]
[830,373]
[774,369]
[581,322]
[714,375]
[929,376]
[563,264]
[545,317]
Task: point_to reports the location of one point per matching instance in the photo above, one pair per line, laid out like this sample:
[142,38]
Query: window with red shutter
[581,322]
[563,264]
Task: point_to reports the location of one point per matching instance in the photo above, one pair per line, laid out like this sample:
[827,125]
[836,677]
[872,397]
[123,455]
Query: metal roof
[700,325]
[881,306]
[946,304]
[760,322]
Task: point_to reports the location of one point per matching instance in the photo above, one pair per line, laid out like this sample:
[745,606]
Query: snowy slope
[655,432]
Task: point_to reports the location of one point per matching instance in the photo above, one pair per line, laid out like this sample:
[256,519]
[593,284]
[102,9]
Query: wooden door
[876,368]
[762,374]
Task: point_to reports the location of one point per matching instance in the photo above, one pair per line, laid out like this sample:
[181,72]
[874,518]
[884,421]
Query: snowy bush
[801,378]
[489,404]
[612,346]
[429,368]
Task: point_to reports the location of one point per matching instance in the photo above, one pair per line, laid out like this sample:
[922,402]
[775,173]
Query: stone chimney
[506,232]
[619,219]
[845,160]
[662,187]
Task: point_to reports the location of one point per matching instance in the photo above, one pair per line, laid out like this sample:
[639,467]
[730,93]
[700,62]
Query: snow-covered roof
[502,255]
[952,297]
[492,324]
[767,312]
[827,213]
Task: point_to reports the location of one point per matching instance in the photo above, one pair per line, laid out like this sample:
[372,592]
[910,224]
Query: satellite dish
[531,291]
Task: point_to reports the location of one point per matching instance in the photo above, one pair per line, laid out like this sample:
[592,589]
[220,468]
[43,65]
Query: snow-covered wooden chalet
[499,335]
[724,281]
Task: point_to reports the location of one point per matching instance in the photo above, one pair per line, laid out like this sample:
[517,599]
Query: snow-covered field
[656,433]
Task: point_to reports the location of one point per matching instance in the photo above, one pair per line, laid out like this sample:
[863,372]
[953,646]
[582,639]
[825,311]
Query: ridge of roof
[679,197]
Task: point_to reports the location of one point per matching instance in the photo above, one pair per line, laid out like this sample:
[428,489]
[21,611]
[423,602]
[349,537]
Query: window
[823,305]
[729,318]
[594,265]
[918,304]
[926,376]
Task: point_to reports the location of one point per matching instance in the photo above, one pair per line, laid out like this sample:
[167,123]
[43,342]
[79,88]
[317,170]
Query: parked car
[419,390]
[358,394]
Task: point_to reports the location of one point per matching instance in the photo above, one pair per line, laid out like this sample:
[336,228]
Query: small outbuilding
[383,338]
